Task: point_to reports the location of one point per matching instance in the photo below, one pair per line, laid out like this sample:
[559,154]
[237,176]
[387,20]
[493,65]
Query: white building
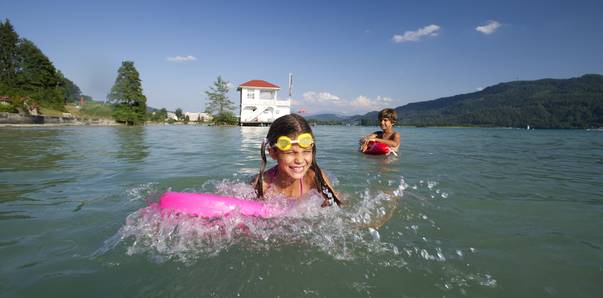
[260,104]
[172,115]
[194,116]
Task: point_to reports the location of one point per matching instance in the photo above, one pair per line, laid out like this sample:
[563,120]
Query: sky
[346,57]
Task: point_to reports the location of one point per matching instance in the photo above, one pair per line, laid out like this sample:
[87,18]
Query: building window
[250,94]
[266,94]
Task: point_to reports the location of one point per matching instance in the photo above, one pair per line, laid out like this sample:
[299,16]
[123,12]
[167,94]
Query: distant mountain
[326,117]
[546,103]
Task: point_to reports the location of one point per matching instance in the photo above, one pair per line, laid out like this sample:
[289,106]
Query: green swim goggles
[304,141]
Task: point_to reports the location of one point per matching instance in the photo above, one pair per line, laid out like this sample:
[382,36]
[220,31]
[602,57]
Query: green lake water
[474,212]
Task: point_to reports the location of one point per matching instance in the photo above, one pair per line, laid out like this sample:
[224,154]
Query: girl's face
[385,124]
[294,162]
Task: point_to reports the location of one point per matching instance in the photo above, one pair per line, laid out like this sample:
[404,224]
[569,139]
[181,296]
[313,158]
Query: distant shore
[21,120]
[57,124]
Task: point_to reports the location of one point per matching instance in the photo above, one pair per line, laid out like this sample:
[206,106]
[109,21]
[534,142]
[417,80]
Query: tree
[126,94]
[178,113]
[25,72]
[8,55]
[72,91]
[217,97]
[162,114]
[37,77]
[158,115]
[9,40]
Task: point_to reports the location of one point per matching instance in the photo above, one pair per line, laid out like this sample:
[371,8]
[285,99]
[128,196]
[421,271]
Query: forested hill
[547,103]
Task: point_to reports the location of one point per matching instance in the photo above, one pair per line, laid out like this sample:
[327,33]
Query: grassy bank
[88,110]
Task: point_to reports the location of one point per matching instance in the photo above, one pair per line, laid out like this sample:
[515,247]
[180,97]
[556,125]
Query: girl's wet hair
[291,125]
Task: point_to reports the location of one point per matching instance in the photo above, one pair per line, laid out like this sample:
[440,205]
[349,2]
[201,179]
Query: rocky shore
[14,119]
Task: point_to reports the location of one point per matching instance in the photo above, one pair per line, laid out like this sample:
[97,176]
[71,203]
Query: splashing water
[346,234]
[335,231]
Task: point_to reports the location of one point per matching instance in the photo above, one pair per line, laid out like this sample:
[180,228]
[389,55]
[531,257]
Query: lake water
[474,212]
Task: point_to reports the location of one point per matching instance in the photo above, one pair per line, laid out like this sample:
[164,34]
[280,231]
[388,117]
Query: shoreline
[17,125]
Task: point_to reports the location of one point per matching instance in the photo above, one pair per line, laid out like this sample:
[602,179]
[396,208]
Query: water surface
[474,212]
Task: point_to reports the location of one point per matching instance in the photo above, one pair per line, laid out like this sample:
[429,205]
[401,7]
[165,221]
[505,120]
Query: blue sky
[347,57]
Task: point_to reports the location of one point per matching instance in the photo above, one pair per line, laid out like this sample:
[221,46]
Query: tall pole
[290,84]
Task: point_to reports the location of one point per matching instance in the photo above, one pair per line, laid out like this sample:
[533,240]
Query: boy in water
[387,135]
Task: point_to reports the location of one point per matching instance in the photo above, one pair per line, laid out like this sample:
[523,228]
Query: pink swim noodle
[211,206]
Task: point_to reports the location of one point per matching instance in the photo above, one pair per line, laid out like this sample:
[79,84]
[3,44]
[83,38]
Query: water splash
[354,233]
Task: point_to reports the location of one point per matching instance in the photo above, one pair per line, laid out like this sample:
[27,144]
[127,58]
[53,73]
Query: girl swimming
[290,143]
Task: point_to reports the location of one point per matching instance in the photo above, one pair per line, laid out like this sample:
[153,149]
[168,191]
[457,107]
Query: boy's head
[389,114]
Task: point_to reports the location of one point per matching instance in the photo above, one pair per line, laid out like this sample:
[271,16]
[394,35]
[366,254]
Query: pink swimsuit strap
[272,174]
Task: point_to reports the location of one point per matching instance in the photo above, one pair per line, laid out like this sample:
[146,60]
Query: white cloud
[431,30]
[181,58]
[489,28]
[363,102]
[321,97]
[325,102]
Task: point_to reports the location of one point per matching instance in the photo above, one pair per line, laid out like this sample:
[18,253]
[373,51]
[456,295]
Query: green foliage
[9,40]
[126,93]
[226,118]
[326,122]
[178,113]
[96,109]
[38,78]
[7,108]
[158,116]
[368,122]
[72,91]
[26,72]
[123,114]
[217,99]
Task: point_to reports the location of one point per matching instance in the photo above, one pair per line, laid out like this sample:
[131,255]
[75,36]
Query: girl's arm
[254,180]
[338,194]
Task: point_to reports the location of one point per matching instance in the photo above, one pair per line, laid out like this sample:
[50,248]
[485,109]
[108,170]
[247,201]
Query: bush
[226,118]
[7,108]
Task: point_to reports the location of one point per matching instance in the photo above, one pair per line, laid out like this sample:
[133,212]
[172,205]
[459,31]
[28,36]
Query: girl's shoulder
[268,175]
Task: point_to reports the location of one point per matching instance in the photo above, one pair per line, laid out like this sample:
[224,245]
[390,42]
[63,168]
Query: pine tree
[126,93]
[218,101]
[9,40]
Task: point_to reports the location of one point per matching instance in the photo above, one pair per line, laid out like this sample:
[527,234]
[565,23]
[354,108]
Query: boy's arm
[364,141]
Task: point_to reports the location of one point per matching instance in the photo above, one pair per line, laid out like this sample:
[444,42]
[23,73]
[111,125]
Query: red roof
[258,83]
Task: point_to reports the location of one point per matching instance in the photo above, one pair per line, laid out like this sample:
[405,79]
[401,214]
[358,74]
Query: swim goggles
[284,143]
